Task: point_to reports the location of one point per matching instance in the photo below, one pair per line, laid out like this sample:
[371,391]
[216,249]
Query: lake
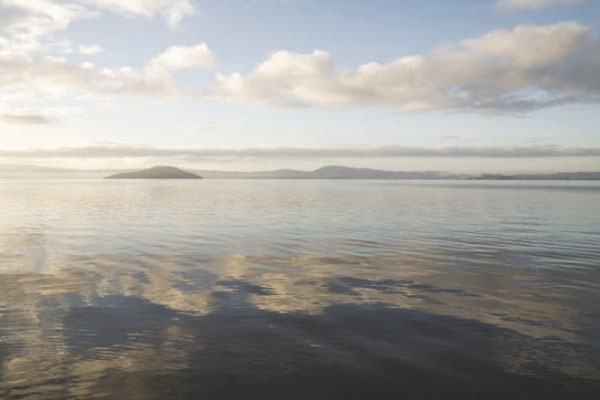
[299,289]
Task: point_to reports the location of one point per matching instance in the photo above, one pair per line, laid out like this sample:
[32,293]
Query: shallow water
[299,289]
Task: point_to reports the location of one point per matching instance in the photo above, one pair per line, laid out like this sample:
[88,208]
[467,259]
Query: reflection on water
[309,289]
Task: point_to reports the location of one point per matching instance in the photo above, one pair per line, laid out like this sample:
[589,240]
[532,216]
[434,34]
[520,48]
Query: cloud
[35,70]
[518,70]
[304,153]
[156,78]
[521,5]
[90,50]
[522,69]
[173,11]
[25,119]
[34,76]
[56,15]
[177,58]
[29,25]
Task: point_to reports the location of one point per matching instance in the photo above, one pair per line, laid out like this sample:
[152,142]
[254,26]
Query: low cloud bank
[297,152]
[25,119]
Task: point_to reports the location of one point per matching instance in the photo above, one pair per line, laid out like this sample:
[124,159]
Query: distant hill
[559,176]
[338,172]
[158,172]
[276,174]
[330,172]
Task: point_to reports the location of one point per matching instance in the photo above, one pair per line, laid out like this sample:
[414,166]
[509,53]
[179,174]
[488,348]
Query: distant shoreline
[324,173]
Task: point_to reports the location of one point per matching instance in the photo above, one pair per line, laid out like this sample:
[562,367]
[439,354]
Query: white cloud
[33,68]
[30,22]
[25,119]
[90,50]
[156,78]
[173,11]
[305,80]
[177,58]
[506,70]
[59,15]
[521,69]
[47,76]
[30,25]
[34,71]
[30,79]
[520,5]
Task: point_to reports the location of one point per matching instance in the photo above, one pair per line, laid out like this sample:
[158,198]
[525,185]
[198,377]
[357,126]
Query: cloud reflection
[78,326]
[225,302]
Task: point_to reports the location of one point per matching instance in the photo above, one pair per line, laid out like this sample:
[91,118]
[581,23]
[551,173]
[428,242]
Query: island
[158,172]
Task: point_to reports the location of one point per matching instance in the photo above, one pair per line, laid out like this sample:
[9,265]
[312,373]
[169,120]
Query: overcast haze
[510,85]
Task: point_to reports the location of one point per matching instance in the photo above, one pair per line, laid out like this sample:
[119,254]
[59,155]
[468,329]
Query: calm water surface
[299,289]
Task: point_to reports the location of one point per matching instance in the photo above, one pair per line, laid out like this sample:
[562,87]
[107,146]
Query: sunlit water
[299,289]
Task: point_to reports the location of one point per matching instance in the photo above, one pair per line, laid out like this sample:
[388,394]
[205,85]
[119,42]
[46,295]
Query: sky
[460,86]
